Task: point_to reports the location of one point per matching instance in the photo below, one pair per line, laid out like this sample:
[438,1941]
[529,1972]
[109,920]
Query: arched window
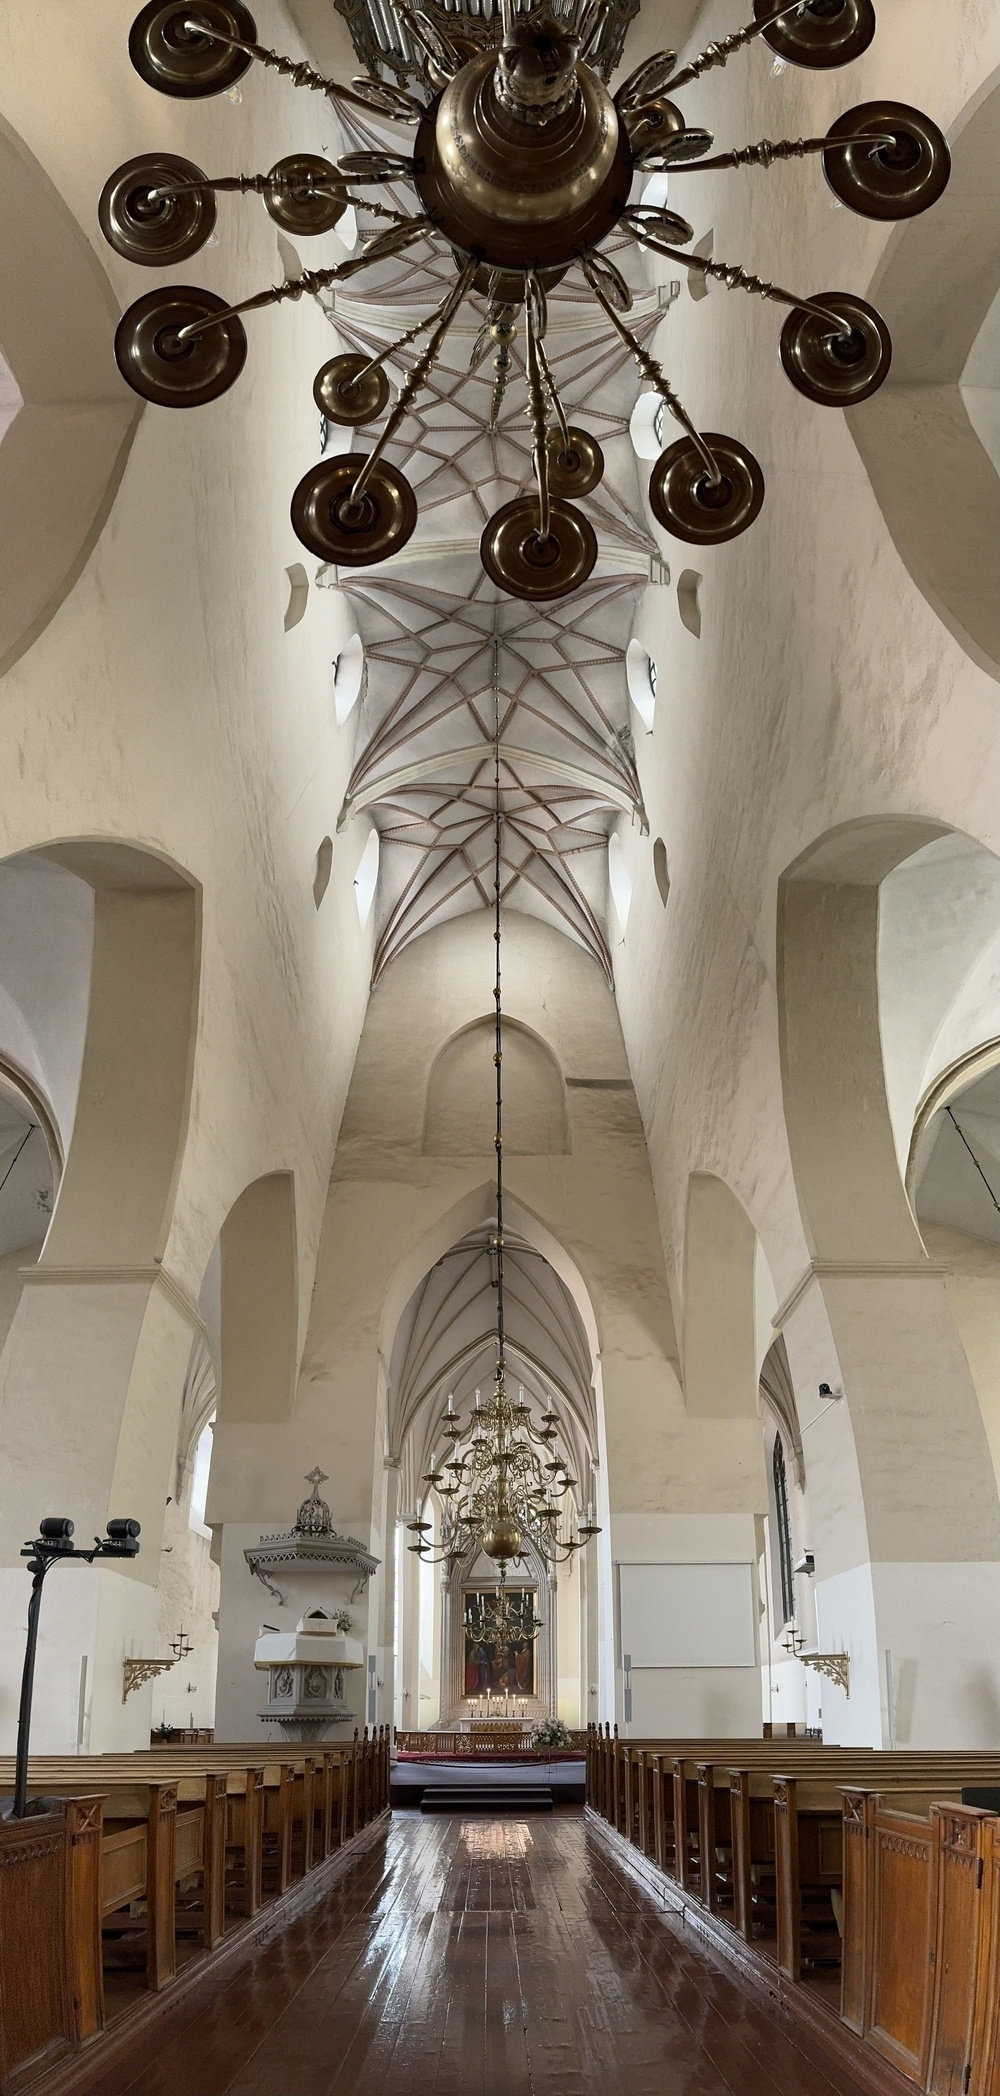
[783,1537]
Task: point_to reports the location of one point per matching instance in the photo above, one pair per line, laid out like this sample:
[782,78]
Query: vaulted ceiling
[455,666]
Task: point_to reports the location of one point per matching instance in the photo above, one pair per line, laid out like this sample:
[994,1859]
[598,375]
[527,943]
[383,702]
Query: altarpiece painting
[493,1669]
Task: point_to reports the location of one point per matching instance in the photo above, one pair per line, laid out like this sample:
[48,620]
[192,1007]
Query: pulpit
[306,1671]
[320,1574]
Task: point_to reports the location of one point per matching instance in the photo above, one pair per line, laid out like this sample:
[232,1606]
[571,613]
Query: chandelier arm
[402,342]
[554,396]
[445,314]
[376,167]
[385,100]
[314,280]
[767,150]
[539,430]
[399,218]
[245,185]
[481,347]
[432,40]
[652,370]
[255,185]
[502,366]
[719,54]
[734,276]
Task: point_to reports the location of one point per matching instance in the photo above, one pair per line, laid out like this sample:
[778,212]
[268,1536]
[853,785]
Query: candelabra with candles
[522,163]
[501,1618]
[503,1485]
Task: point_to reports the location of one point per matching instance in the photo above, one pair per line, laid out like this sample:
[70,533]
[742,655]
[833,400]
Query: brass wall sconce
[136,1672]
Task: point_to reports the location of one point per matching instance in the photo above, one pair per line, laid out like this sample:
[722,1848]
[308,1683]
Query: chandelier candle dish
[522,165]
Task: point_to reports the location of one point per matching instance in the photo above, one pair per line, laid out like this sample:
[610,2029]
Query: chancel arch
[442,1363]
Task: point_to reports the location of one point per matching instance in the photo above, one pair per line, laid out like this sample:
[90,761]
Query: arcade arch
[930,439]
[904,1503]
[73,429]
[93,1362]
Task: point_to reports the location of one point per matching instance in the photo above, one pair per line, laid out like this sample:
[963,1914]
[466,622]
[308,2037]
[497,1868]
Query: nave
[478,1958]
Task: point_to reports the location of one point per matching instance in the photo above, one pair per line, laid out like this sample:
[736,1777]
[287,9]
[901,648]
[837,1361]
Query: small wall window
[641,675]
[646,426]
[660,871]
[298,594]
[324,867]
[783,1536]
[689,600]
[620,879]
[366,878]
[199,1480]
[656,191]
[348,677]
[699,284]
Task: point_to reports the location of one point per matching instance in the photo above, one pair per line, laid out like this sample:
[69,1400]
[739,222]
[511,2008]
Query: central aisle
[479,1958]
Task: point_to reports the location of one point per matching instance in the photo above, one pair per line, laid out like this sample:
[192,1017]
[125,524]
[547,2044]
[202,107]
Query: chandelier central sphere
[503,1539]
[523,163]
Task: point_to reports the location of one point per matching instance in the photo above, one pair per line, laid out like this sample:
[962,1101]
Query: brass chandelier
[502,1618]
[523,164]
[504,1484]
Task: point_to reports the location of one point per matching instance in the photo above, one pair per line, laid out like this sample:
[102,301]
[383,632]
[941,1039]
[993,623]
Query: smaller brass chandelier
[504,1485]
[502,1618]
[523,164]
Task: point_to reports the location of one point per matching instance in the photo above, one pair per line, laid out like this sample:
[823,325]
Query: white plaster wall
[823,689]
[845,1617]
[721,1701]
[188,1598]
[164,704]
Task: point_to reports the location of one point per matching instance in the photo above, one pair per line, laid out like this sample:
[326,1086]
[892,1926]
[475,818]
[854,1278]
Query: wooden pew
[917,1867]
[921,1971]
[728,1855]
[187,1845]
[141,1851]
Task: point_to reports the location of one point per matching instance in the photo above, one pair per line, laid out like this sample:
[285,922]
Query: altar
[522,1716]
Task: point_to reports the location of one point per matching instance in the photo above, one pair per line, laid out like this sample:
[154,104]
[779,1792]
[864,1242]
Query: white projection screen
[687,1615]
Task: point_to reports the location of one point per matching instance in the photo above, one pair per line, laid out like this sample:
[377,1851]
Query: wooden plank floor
[479,1958]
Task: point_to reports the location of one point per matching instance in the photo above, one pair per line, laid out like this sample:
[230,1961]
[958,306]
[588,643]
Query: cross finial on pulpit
[313,1517]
